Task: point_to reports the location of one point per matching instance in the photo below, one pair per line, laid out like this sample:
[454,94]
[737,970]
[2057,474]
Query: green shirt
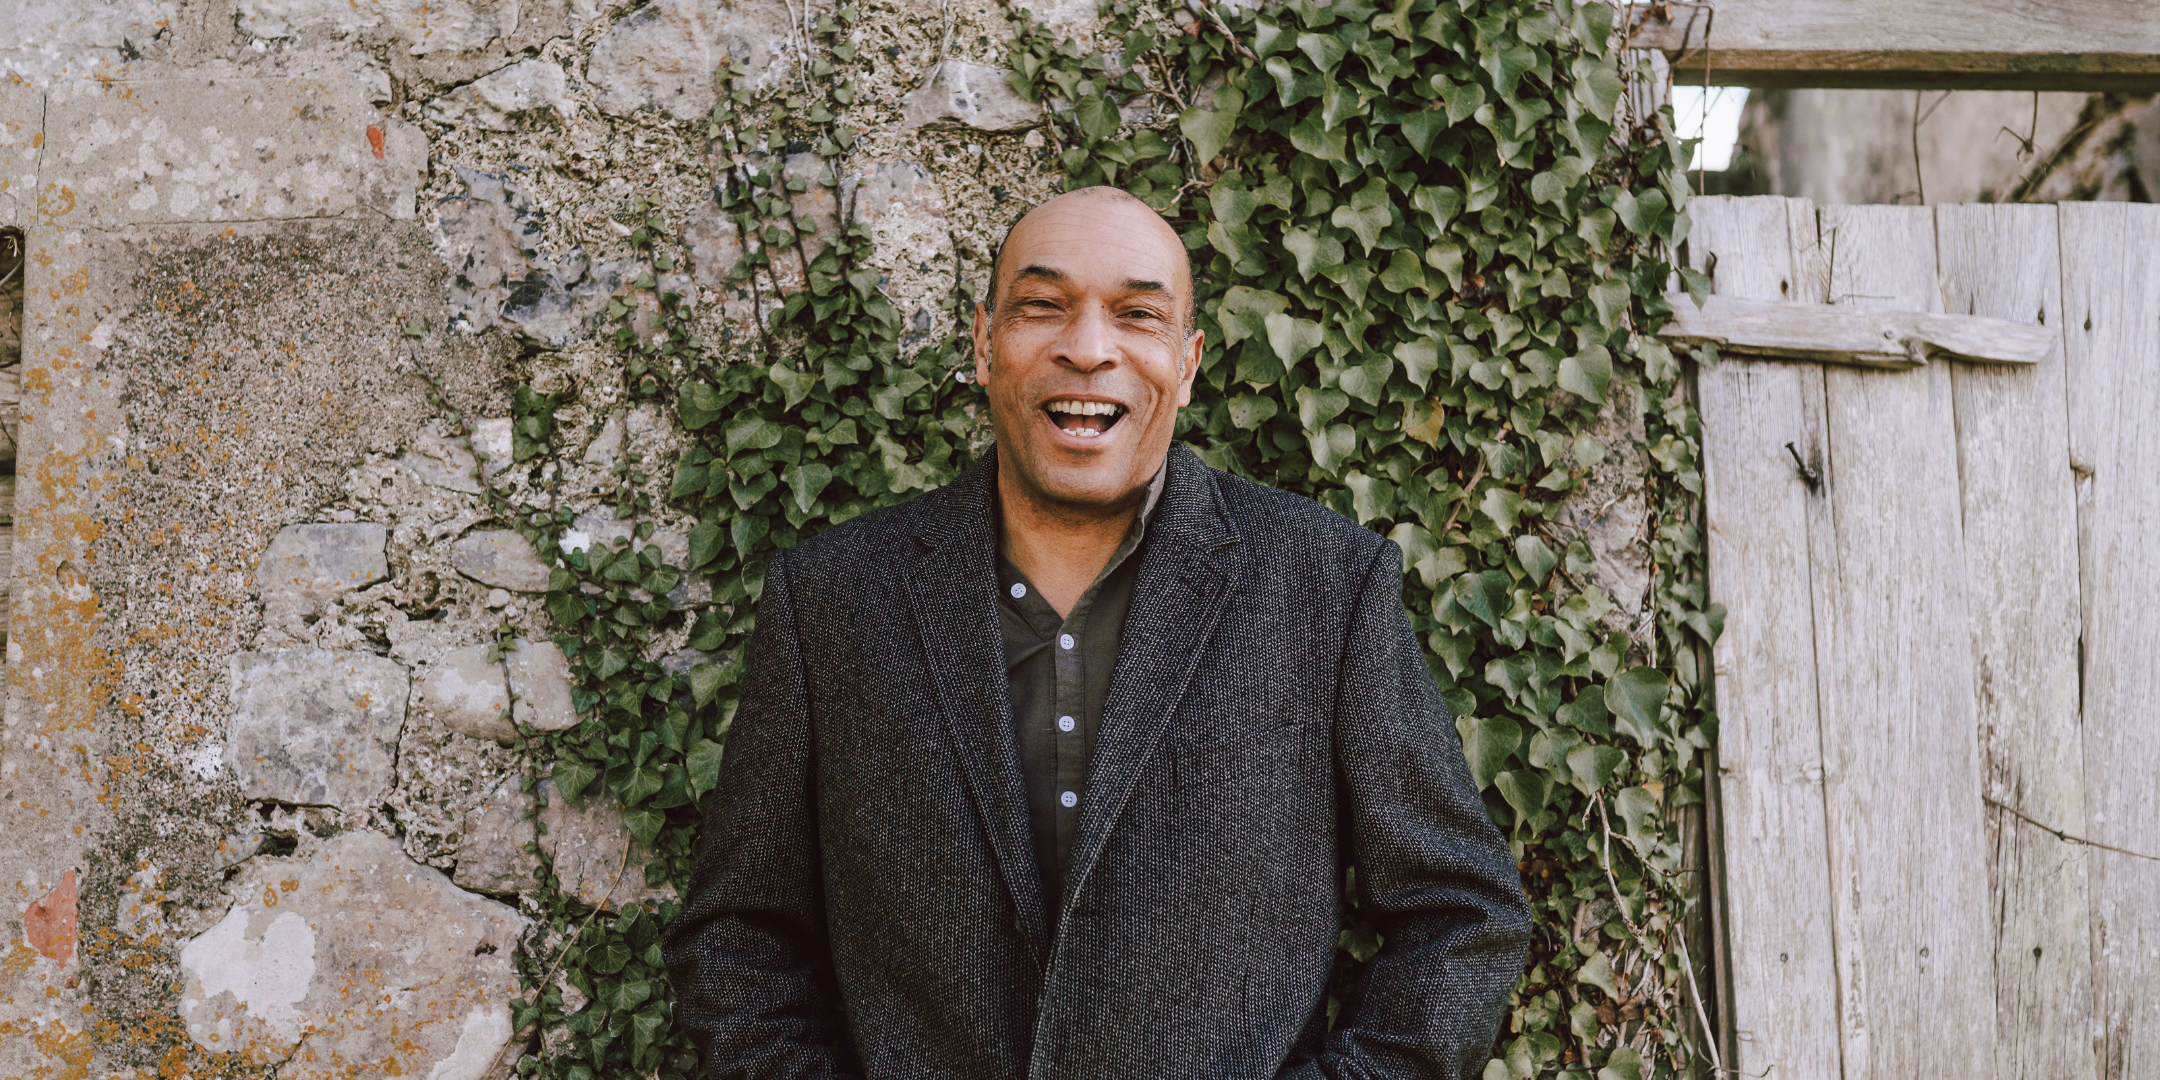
[1058,674]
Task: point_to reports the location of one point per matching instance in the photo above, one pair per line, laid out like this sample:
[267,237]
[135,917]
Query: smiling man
[1056,772]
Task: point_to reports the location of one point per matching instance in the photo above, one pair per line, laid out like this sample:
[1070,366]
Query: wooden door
[1911,563]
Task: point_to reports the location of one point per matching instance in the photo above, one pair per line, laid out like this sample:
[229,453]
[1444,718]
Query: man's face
[1085,359]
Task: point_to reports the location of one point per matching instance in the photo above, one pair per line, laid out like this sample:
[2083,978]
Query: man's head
[1086,349]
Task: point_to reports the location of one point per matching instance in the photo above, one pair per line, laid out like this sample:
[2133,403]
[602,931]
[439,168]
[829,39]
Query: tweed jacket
[866,902]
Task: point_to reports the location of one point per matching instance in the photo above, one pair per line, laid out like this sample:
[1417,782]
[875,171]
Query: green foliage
[1429,242]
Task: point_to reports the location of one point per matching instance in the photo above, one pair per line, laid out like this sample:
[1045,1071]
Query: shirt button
[1065,641]
[1069,799]
[1065,723]
[1018,590]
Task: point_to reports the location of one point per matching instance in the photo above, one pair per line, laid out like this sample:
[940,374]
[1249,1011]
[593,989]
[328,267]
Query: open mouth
[1084,419]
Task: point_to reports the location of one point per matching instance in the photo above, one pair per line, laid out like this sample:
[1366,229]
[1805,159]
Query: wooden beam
[1833,334]
[2089,45]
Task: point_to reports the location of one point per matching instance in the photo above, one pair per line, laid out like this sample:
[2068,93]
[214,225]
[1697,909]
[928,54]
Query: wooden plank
[1822,333]
[1778,917]
[1908,849]
[2020,514]
[2111,291]
[2090,45]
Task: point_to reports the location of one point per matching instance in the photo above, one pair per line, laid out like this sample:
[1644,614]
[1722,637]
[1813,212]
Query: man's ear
[982,343]
[1193,348]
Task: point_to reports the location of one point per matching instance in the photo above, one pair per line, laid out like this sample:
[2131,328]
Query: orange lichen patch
[49,924]
[18,960]
[71,1048]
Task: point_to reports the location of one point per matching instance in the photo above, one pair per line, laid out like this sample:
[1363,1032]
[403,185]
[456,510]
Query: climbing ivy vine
[1431,240]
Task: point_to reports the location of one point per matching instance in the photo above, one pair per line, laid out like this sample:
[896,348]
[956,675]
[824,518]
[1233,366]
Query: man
[1055,772]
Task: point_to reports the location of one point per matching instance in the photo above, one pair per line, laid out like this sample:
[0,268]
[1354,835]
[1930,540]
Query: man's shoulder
[870,539]
[1288,522]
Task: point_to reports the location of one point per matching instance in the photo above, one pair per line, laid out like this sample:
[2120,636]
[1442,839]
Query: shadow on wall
[1938,146]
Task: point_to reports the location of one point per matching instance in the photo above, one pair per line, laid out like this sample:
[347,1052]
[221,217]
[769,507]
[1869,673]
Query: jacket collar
[1186,572]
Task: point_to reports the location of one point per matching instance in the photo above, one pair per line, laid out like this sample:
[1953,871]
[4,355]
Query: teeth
[1085,408]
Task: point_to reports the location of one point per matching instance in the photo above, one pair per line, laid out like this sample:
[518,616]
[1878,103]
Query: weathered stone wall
[261,811]
[286,259]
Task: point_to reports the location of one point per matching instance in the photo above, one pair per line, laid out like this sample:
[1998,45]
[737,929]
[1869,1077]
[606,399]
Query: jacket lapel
[952,592]
[1188,569]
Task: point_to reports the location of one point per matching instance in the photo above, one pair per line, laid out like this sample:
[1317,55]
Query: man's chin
[1105,484]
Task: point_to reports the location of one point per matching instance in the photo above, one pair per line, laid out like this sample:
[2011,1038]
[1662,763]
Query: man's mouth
[1084,419]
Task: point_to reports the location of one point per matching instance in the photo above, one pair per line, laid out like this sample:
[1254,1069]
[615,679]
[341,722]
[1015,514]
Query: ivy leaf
[707,541]
[707,680]
[1332,447]
[703,765]
[1638,807]
[571,776]
[644,824]
[1446,257]
[1422,421]
[698,405]
[1597,971]
[794,385]
[1635,697]
[1403,272]
[607,958]
[1527,790]
[1587,373]
[1536,558]
[1097,115]
[807,481]
[1422,127]
[1625,1063]
[1366,214]
[1209,128]
[633,784]
[1640,214]
[751,432]
[1487,743]
[1312,137]
[1325,50]
[1483,595]
[1591,767]
[1249,411]
[1419,360]
[1292,337]
[1232,205]
[1292,85]
[1502,506]
[1317,406]
[612,660]
[1371,498]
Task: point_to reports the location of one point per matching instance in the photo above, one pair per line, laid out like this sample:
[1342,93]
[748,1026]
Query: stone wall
[286,259]
[261,807]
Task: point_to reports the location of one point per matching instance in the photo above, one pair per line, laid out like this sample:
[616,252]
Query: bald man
[1056,772]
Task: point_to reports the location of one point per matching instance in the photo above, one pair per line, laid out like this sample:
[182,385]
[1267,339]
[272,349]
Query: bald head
[1120,214]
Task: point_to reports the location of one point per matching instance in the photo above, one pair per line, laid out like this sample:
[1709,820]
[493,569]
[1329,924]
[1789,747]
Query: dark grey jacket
[866,902]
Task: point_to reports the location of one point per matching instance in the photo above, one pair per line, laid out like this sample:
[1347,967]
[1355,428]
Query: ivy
[1430,240]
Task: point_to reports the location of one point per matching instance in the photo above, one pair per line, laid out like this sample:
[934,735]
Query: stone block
[969,95]
[22,137]
[46,40]
[349,959]
[502,558]
[313,562]
[441,462]
[495,101]
[315,726]
[663,54]
[421,26]
[491,855]
[492,242]
[468,692]
[540,685]
[586,841]
[155,152]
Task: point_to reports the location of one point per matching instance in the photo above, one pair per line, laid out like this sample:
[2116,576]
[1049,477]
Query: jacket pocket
[1274,753]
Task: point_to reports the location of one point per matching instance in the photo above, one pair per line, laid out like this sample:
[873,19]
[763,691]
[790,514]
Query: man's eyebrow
[1146,286]
[1038,273]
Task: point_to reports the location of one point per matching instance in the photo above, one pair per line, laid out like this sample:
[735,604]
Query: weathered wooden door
[1941,653]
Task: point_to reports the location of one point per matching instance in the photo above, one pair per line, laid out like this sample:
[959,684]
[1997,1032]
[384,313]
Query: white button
[1069,799]
[1065,641]
[1065,723]
[1019,590]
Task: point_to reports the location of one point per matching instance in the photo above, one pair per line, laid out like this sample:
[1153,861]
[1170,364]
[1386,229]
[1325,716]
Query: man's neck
[1060,549]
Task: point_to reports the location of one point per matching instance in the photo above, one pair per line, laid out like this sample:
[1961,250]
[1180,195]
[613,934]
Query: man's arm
[1432,871]
[748,956]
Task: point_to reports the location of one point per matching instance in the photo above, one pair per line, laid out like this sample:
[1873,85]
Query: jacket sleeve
[748,956]
[1432,870]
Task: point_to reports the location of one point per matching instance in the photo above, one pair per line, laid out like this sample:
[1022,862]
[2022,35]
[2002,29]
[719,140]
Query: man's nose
[1090,342]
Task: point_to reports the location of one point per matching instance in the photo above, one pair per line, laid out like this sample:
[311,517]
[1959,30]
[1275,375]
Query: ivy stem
[540,987]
